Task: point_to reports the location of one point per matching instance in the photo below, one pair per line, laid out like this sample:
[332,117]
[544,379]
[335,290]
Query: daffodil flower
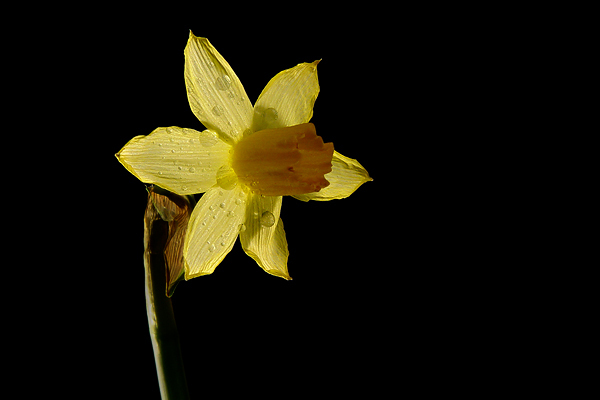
[245,161]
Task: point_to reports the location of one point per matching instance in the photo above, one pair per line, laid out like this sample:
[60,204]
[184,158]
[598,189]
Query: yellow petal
[181,160]
[288,99]
[264,238]
[213,228]
[345,177]
[215,93]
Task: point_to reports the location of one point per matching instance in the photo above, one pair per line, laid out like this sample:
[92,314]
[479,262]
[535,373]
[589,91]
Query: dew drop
[222,205]
[184,187]
[211,248]
[223,244]
[173,151]
[242,227]
[211,207]
[192,169]
[208,138]
[223,82]
[217,110]
[230,213]
[180,168]
[267,219]
[271,115]
[226,177]
[238,201]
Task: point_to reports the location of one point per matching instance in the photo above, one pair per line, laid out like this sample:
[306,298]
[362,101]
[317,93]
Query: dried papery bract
[175,211]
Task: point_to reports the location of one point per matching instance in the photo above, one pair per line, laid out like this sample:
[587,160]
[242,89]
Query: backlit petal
[345,177]
[288,99]
[264,238]
[213,228]
[215,93]
[181,160]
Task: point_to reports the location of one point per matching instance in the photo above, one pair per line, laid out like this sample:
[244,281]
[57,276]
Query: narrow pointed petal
[213,229]
[288,99]
[264,237]
[215,93]
[345,177]
[181,160]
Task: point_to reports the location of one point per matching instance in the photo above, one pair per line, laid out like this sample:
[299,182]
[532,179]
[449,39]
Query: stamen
[283,161]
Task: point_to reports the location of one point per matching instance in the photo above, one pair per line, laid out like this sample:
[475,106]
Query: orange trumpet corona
[283,161]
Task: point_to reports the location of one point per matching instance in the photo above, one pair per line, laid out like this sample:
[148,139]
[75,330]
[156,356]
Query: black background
[387,284]
[337,316]
[360,266]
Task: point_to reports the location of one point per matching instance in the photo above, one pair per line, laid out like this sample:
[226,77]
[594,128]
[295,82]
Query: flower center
[283,161]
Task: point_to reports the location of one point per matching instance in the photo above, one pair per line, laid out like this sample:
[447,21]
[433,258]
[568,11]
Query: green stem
[163,329]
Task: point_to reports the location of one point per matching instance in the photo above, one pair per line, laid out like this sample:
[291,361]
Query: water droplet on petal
[217,110]
[271,115]
[242,227]
[267,219]
[222,205]
[211,248]
[226,177]
[223,82]
[208,138]
[192,169]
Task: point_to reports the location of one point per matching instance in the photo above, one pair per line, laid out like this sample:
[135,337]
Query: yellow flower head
[245,161]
